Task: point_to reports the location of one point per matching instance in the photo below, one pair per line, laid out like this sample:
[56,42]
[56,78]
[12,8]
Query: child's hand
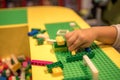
[80,39]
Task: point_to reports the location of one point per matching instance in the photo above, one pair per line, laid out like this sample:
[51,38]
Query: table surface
[37,17]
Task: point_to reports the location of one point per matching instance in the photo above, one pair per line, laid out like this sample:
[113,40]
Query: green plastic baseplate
[76,70]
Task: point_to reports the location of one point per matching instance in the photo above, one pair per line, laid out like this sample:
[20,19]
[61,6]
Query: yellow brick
[15,67]
[60,40]
[73,52]
[57,71]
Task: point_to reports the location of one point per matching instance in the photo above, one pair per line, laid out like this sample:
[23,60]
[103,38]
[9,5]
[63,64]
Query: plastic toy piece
[88,49]
[40,62]
[75,57]
[62,32]
[43,31]
[35,29]
[42,36]
[8,73]
[22,75]
[1,68]
[13,78]
[50,41]
[53,65]
[57,71]
[57,47]
[33,32]
[72,24]
[40,41]
[89,53]
[13,67]
[73,52]
[25,64]
[91,66]
[3,78]
[60,40]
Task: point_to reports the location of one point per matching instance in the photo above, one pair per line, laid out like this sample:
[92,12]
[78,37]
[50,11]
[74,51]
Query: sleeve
[116,44]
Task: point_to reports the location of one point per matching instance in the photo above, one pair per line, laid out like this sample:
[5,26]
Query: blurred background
[94,12]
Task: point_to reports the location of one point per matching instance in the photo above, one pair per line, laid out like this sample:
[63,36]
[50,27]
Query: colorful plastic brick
[53,65]
[40,62]
[24,64]
[91,66]
[1,68]
[35,29]
[50,41]
[57,47]
[22,75]
[60,40]
[33,32]
[76,57]
[88,49]
[3,78]
[42,36]
[61,32]
[57,71]
[40,41]
[72,24]
[73,52]
[8,73]
[13,67]
[43,31]
[13,78]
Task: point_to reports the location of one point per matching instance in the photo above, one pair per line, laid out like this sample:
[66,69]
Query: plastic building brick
[73,52]
[38,34]
[91,66]
[33,32]
[90,54]
[13,67]
[13,78]
[3,78]
[39,30]
[1,68]
[59,47]
[35,29]
[42,36]
[12,71]
[43,31]
[24,64]
[79,56]
[40,41]
[72,24]
[62,32]
[53,65]
[57,71]
[87,49]
[60,40]
[22,75]
[21,58]
[8,73]
[74,58]
[40,62]
[50,41]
